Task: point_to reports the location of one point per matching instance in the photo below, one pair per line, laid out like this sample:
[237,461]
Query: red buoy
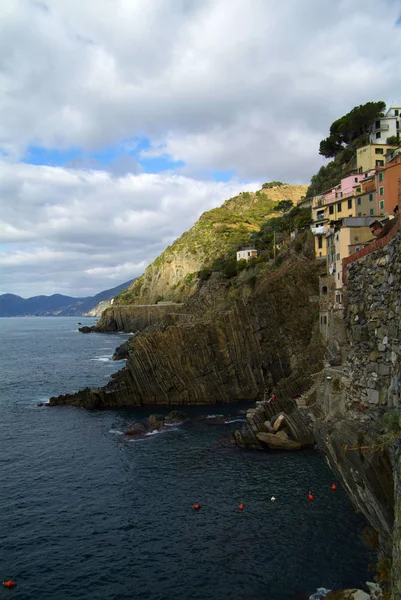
[310,496]
[334,487]
[241,506]
[9,584]
[196,506]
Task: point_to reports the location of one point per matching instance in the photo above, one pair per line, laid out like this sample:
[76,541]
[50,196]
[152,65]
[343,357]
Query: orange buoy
[334,487]
[9,584]
[241,506]
[196,506]
[310,496]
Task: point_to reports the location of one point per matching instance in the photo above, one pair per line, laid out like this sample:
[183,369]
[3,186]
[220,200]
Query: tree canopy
[350,127]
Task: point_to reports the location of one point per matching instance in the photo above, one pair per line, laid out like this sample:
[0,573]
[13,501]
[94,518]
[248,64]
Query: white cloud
[78,232]
[248,86]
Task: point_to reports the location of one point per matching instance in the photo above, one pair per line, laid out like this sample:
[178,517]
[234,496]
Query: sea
[87,513]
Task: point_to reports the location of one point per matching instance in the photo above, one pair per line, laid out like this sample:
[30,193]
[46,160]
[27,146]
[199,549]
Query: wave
[213,416]
[104,358]
[116,431]
[235,421]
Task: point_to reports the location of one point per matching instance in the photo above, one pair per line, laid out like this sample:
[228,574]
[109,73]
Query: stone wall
[373,308]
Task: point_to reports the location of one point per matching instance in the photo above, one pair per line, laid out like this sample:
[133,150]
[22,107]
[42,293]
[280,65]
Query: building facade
[386,126]
[387,183]
[371,156]
[247,252]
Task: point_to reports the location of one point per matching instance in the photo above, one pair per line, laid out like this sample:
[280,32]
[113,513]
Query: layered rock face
[222,347]
[135,318]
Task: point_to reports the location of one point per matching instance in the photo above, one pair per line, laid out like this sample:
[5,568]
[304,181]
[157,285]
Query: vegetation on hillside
[216,236]
[347,134]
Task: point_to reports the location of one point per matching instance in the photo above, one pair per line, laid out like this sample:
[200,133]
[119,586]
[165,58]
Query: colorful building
[335,204]
[348,235]
[371,156]
[366,196]
[387,183]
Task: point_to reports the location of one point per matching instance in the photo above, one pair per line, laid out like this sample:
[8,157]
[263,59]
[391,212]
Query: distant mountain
[56,305]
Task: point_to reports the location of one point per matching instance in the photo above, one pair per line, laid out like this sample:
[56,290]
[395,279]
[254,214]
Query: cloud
[246,79]
[190,88]
[78,232]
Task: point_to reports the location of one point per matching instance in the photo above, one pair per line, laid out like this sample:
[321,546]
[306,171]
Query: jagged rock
[352,594]
[176,416]
[135,429]
[156,421]
[121,352]
[268,427]
[276,442]
[279,423]
[86,329]
[222,355]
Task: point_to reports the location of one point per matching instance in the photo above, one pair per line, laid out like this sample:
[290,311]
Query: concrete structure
[366,196]
[247,252]
[348,235]
[387,183]
[386,126]
[371,156]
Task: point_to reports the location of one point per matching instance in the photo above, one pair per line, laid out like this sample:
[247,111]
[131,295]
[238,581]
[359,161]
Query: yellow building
[349,235]
[371,156]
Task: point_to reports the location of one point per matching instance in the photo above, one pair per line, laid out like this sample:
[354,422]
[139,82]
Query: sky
[121,121]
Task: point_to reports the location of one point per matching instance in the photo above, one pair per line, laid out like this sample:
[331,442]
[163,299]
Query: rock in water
[277,442]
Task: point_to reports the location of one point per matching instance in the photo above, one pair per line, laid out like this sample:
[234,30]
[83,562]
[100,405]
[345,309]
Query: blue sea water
[89,514]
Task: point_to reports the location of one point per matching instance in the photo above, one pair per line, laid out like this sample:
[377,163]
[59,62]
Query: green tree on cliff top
[347,134]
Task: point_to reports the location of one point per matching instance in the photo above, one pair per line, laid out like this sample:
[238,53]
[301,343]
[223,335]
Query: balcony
[383,127]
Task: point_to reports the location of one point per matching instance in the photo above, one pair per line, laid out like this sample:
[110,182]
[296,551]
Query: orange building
[387,184]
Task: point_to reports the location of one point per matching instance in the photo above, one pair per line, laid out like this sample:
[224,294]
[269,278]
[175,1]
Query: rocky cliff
[172,275]
[225,344]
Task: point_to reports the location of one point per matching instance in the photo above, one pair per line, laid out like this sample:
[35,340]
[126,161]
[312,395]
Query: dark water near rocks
[86,513]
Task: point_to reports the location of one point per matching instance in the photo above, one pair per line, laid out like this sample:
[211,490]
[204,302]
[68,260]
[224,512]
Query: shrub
[204,274]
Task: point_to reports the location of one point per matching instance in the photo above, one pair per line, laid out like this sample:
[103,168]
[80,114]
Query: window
[358,189]
[377,125]
[338,298]
[357,249]
[356,179]
[370,197]
[381,204]
[380,163]
[337,237]
[380,176]
[372,212]
[350,203]
[378,150]
[338,275]
[358,201]
[356,239]
[324,290]
[249,254]
[338,256]
[378,135]
[331,210]
[397,124]
[339,206]
[396,112]
[325,320]
[320,242]
[381,191]
[320,254]
[359,214]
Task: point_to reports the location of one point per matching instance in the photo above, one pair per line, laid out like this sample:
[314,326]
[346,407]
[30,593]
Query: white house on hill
[247,252]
